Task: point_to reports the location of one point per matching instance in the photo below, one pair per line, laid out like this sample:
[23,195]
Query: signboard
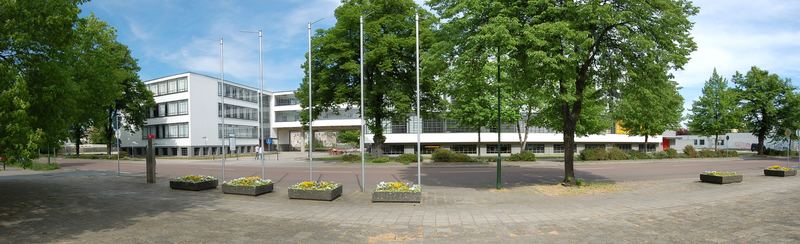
[232,142]
[269,141]
[787,132]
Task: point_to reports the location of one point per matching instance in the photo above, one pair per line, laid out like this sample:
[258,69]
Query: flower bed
[315,190]
[251,186]
[780,171]
[193,182]
[397,192]
[720,177]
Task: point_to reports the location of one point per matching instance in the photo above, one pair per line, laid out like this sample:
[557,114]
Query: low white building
[187,122]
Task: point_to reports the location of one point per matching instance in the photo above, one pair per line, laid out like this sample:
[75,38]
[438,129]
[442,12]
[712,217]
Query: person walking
[261,152]
[258,151]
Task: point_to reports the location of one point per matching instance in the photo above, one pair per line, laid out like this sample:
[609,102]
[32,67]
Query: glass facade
[238,131]
[286,100]
[287,116]
[173,108]
[168,86]
[237,112]
[166,131]
[238,93]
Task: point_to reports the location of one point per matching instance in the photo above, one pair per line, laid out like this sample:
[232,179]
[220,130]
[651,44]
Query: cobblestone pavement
[99,207]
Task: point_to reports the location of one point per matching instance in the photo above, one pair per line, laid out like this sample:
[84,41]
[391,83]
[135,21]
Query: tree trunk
[378,139]
[479,142]
[569,152]
[77,142]
[716,139]
[646,147]
[761,138]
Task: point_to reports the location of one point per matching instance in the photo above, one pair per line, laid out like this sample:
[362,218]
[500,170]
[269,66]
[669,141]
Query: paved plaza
[657,202]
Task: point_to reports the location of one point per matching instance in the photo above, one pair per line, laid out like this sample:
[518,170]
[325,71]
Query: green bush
[351,158]
[708,154]
[660,155]
[671,153]
[593,154]
[523,156]
[445,155]
[406,158]
[638,155]
[689,151]
[617,154]
[380,160]
[729,153]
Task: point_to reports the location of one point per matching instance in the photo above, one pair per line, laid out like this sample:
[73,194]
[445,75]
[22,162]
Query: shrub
[671,153]
[708,154]
[444,155]
[523,156]
[660,155]
[406,158]
[729,153]
[617,154]
[351,158]
[380,160]
[689,151]
[638,155]
[593,154]
[580,182]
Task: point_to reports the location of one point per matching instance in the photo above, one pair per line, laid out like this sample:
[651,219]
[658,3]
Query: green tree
[351,137]
[579,53]
[789,114]
[649,108]
[389,69]
[760,97]
[716,111]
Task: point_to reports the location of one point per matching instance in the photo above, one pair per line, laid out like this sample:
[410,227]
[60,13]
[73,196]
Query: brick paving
[97,206]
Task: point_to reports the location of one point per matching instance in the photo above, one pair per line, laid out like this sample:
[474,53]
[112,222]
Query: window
[722,142]
[285,100]
[465,149]
[695,142]
[172,86]
[238,131]
[182,85]
[183,107]
[595,146]
[651,147]
[428,149]
[535,148]
[287,116]
[162,110]
[432,126]
[166,131]
[237,112]
[559,148]
[237,93]
[504,148]
[172,108]
[162,88]
[399,127]
[702,142]
[393,149]
[624,147]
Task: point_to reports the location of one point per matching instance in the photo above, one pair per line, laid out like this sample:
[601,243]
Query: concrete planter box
[247,190]
[721,179]
[412,197]
[189,186]
[780,173]
[321,195]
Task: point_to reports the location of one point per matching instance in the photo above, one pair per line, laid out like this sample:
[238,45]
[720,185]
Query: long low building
[188,121]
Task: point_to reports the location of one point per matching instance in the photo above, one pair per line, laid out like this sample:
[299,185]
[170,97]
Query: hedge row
[618,154]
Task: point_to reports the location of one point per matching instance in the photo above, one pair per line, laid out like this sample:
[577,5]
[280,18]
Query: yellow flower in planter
[778,167]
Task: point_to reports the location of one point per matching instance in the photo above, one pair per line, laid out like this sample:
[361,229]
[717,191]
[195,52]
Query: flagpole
[222,80]
[419,119]
[310,118]
[361,105]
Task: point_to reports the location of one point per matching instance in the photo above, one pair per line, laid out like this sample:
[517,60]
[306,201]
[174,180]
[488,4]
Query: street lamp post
[361,104]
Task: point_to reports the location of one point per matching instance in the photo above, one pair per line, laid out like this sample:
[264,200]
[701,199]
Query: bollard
[151,160]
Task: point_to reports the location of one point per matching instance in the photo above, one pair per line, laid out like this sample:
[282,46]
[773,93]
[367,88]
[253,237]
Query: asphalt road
[292,170]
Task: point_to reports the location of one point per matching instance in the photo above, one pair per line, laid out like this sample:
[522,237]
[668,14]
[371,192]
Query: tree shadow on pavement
[483,177]
[59,206]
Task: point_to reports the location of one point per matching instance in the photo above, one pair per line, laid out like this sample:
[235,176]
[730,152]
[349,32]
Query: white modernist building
[187,121]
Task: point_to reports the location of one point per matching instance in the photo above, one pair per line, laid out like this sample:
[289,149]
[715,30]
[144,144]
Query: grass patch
[36,166]
[555,190]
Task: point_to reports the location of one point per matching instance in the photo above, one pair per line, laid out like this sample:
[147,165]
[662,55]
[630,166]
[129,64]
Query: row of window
[238,93]
[166,131]
[238,131]
[173,108]
[169,86]
[237,112]
[287,116]
[506,148]
[285,100]
[702,142]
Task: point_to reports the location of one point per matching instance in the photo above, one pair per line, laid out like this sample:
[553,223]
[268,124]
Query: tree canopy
[389,64]
[650,108]
[762,96]
[716,112]
[579,53]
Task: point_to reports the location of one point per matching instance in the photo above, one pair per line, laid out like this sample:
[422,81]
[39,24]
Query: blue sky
[169,37]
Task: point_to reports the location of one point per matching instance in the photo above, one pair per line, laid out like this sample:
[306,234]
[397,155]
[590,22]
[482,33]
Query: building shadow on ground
[484,177]
[57,207]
